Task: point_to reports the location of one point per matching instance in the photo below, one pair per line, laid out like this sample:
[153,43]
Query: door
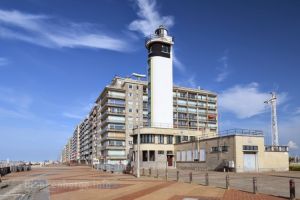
[249,162]
[170,160]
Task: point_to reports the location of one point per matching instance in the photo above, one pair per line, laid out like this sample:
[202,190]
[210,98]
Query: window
[169,152]
[178,139]
[147,138]
[219,149]
[151,155]
[145,156]
[165,49]
[130,86]
[214,149]
[185,138]
[192,138]
[137,110]
[169,139]
[160,139]
[130,109]
[130,142]
[250,148]
[137,87]
[160,152]
[129,94]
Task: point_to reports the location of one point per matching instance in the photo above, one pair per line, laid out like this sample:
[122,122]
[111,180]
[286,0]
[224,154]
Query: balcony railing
[270,148]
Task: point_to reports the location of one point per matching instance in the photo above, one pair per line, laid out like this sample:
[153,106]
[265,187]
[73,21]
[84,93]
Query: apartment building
[126,103]
[75,152]
[123,105]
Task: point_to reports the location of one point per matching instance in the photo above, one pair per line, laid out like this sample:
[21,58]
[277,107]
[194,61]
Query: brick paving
[86,183]
[240,195]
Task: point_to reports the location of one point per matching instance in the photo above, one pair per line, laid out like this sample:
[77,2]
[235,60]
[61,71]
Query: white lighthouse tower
[160,78]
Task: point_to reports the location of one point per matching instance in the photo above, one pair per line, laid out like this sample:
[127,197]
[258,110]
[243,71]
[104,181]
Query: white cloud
[177,63]
[3,61]
[297,111]
[292,145]
[49,32]
[14,104]
[246,100]
[223,70]
[150,18]
[72,116]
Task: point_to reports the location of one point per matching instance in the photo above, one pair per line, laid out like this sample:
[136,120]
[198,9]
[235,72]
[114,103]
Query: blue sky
[56,57]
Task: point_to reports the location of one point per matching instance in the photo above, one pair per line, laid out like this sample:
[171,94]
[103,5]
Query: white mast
[274,126]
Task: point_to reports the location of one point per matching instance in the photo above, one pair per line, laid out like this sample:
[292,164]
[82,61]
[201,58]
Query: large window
[169,139]
[147,138]
[165,49]
[250,148]
[116,101]
[145,156]
[151,155]
[160,139]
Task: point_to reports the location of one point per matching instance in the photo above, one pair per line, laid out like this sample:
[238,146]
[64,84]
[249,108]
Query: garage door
[249,162]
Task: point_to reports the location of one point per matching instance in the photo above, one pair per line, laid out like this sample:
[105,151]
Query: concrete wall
[214,160]
[240,141]
[275,161]
[265,161]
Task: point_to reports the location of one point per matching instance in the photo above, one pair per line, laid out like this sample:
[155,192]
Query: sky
[56,57]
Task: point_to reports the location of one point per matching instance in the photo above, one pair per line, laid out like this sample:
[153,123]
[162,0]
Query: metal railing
[110,167]
[237,131]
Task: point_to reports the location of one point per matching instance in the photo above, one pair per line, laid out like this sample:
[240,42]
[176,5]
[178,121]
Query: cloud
[297,111]
[292,145]
[72,116]
[50,32]
[3,61]
[223,70]
[246,100]
[150,18]
[177,63]
[15,104]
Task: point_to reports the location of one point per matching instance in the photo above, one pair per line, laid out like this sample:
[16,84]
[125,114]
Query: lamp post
[138,154]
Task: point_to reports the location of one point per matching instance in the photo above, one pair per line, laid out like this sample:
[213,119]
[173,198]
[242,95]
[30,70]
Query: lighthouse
[160,78]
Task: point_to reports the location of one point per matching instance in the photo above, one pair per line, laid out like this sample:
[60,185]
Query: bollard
[177,176]
[150,171]
[227,181]
[206,179]
[254,185]
[156,173]
[292,190]
[143,172]
[191,177]
[166,174]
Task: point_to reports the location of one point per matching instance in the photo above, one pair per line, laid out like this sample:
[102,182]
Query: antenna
[139,76]
[274,126]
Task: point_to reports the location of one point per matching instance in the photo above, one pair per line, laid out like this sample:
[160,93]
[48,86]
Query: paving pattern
[84,183]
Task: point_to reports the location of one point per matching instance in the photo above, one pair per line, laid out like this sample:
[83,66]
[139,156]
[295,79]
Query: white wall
[161,91]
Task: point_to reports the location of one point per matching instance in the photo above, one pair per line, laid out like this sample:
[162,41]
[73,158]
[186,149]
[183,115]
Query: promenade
[81,182]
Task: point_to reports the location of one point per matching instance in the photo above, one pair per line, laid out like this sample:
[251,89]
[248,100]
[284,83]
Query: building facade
[238,150]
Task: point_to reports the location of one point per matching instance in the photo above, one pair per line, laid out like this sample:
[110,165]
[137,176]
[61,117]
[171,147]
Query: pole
[254,185]
[167,171]
[156,173]
[191,177]
[206,179]
[292,190]
[138,155]
[177,176]
[227,181]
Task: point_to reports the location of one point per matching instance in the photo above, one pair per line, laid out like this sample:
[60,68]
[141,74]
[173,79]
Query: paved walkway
[85,183]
